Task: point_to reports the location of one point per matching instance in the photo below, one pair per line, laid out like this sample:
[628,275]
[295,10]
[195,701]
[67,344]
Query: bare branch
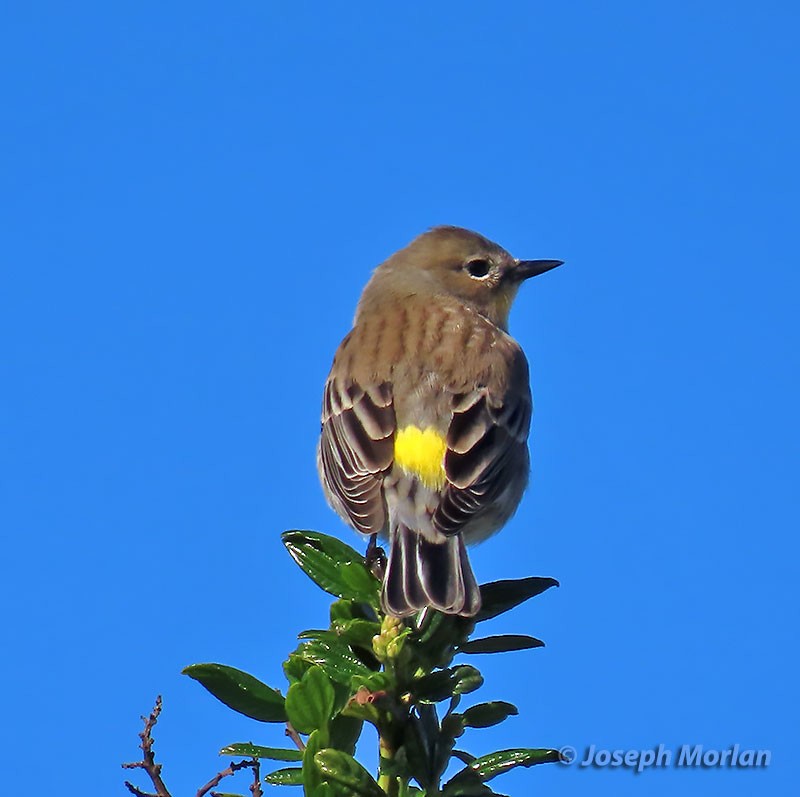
[255,788]
[148,762]
[294,736]
[234,767]
[203,790]
[149,765]
[137,791]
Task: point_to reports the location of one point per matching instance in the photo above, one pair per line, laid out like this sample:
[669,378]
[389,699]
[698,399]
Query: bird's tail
[421,573]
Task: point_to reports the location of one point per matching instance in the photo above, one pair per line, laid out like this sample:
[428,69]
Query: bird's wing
[356,449]
[487,455]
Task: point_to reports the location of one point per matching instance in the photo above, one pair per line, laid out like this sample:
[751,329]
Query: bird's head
[460,263]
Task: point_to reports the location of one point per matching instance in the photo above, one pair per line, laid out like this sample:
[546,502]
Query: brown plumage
[426,414]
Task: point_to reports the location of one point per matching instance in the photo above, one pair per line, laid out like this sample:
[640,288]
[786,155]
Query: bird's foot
[375,558]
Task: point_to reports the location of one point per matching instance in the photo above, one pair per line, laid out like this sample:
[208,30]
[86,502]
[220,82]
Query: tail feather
[421,573]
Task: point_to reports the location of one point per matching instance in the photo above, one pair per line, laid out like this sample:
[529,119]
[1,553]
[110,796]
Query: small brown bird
[426,413]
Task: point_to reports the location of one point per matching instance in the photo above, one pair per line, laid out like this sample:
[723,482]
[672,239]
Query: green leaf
[489,766]
[442,750]
[309,703]
[373,681]
[454,703]
[438,637]
[311,775]
[340,552]
[469,788]
[360,582]
[453,726]
[501,596]
[334,566]
[464,756]
[501,644]
[352,610]
[365,712]
[290,776]
[484,715]
[428,723]
[419,742]
[336,658]
[342,694]
[345,732]
[341,768]
[294,668]
[240,691]
[357,632]
[316,633]
[249,750]
[342,610]
[467,679]
[434,687]
[444,684]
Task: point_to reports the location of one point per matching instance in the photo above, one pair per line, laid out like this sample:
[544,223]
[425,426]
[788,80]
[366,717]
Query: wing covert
[356,449]
[487,455]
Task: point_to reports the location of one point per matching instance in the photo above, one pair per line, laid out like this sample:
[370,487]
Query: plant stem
[389,783]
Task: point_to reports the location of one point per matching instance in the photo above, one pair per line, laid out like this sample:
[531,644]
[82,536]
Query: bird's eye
[478,268]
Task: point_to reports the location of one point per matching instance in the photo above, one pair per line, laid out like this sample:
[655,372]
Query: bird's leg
[375,558]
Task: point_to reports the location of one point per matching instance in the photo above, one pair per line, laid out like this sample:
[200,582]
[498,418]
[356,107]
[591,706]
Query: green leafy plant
[370,669]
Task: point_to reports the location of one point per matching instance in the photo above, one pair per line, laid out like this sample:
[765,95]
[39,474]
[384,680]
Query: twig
[148,762]
[203,790]
[255,788]
[138,792]
[234,767]
[295,736]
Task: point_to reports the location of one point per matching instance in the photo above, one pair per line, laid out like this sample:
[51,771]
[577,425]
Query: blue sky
[195,196]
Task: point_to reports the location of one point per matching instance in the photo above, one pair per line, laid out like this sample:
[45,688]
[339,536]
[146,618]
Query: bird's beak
[532,268]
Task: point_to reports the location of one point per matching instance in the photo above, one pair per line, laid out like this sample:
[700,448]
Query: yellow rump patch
[421,453]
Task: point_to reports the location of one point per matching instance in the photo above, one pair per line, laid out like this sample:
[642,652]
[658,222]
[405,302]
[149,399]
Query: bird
[426,413]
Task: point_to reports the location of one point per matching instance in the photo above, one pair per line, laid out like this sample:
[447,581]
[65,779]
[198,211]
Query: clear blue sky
[194,196]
